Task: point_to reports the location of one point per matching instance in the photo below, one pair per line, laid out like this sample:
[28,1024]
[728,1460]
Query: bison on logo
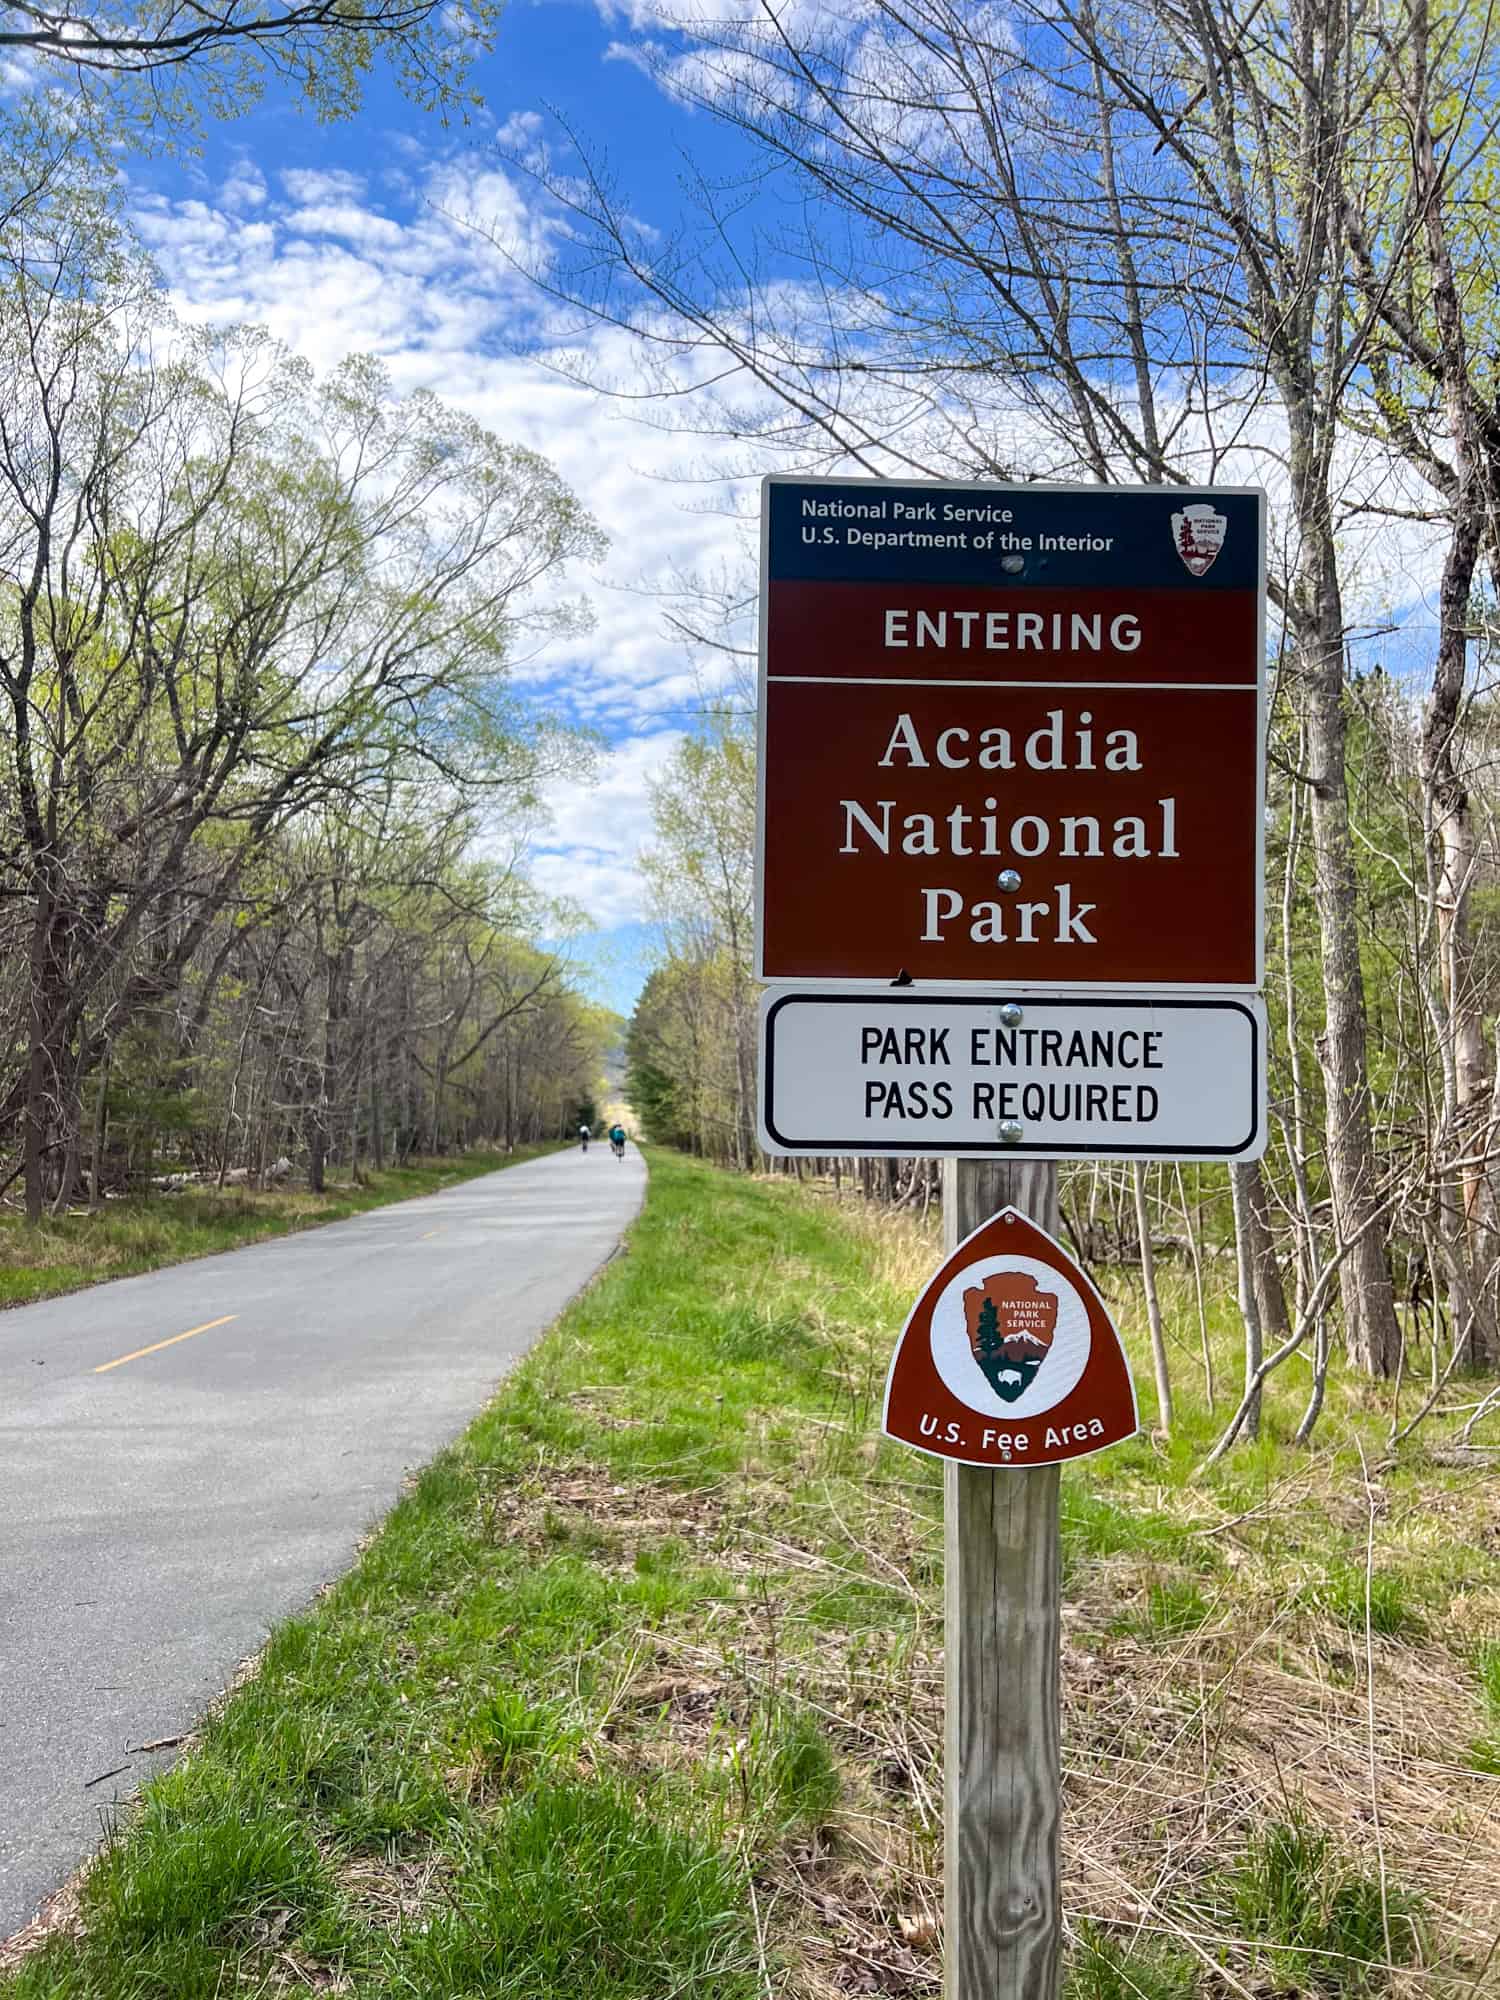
[1198,533]
[1011,1323]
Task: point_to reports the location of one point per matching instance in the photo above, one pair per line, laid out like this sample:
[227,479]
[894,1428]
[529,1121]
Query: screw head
[1011,1015]
[1009,880]
[1010,1132]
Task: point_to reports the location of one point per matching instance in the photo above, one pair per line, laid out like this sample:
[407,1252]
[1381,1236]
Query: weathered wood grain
[1002,1785]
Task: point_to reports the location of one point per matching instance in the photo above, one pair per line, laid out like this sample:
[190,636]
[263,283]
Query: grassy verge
[637,1694]
[125,1238]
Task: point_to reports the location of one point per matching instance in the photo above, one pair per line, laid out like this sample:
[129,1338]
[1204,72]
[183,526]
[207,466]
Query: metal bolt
[1011,1014]
[1013,565]
[1009,880]
[1010,1132]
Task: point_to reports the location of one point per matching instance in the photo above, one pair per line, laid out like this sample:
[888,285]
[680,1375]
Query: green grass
[198,1868]
[1487,1662]
[1101,1966]
[637,1693]
[1325,1920]
[1485,1754]
[1093,1526]
[1381,1599]
[125,1238]
[1175,1605]
[577,1895]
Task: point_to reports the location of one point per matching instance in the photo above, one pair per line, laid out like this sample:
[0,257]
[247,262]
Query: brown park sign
[1010,1357]
[1011,734]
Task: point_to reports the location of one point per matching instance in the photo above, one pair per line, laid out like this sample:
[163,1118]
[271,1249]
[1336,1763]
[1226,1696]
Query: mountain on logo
[1198,533]
[1011,1323]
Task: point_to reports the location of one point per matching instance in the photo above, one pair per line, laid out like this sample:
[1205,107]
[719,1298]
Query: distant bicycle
[583,1138]
[617,1142]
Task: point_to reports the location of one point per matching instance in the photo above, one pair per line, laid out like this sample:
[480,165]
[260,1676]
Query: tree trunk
[101,1117]
[377,1119]
[1153,1303]
[67,1177]
[1249,1304]
[1451,827]
[1270,1294]
[1195,1251]
[1371,1328]
[43,1070]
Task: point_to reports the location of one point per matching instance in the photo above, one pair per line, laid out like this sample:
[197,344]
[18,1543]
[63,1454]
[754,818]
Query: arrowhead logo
[1198,535]
[1010,1357]
[1011,1328]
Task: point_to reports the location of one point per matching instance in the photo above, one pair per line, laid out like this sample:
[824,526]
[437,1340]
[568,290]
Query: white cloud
[331,272]
[643,56]
[588,854]
[521,133]
[322,184]
[343,219]
[331,269]
[246,187]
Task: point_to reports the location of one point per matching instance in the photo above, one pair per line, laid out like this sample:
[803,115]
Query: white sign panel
[940,1074]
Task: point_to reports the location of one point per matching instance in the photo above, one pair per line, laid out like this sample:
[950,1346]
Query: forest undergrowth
[638,1692]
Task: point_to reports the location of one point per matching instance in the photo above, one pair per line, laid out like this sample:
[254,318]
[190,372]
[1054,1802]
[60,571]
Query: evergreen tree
[987,1349]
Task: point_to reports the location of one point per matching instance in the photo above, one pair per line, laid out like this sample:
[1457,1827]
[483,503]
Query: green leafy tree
[699,871]
[234,595]
[156,66]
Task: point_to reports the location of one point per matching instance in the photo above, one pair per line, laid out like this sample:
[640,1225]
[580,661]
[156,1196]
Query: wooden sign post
[1002,1797]
[1008,1365]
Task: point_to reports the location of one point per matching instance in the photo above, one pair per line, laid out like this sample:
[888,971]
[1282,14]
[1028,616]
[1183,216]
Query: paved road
[160,1510]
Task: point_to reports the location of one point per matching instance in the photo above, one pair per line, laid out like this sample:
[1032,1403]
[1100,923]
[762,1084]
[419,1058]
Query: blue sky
[353,238]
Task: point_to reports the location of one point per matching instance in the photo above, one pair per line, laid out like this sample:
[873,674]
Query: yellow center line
[431,1232]
[160,1344]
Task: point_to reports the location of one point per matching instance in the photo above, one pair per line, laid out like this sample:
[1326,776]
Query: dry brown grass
[1176,1749]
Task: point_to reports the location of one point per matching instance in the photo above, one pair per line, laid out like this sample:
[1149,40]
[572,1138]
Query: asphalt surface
[156,1518]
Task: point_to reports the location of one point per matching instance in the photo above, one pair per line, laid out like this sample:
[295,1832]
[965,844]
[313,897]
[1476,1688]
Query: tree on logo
[987,1349]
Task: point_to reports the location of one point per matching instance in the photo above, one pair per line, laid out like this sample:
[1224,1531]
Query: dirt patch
[390,1891]
[292,1972]
[850,1944]
[59,1916]
[607,1520]
[1173,1761]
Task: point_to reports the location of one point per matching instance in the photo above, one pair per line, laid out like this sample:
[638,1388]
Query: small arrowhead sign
[1010,1357]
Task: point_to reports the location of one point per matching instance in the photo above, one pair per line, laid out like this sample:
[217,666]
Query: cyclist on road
[617,1141]
[583,1137]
